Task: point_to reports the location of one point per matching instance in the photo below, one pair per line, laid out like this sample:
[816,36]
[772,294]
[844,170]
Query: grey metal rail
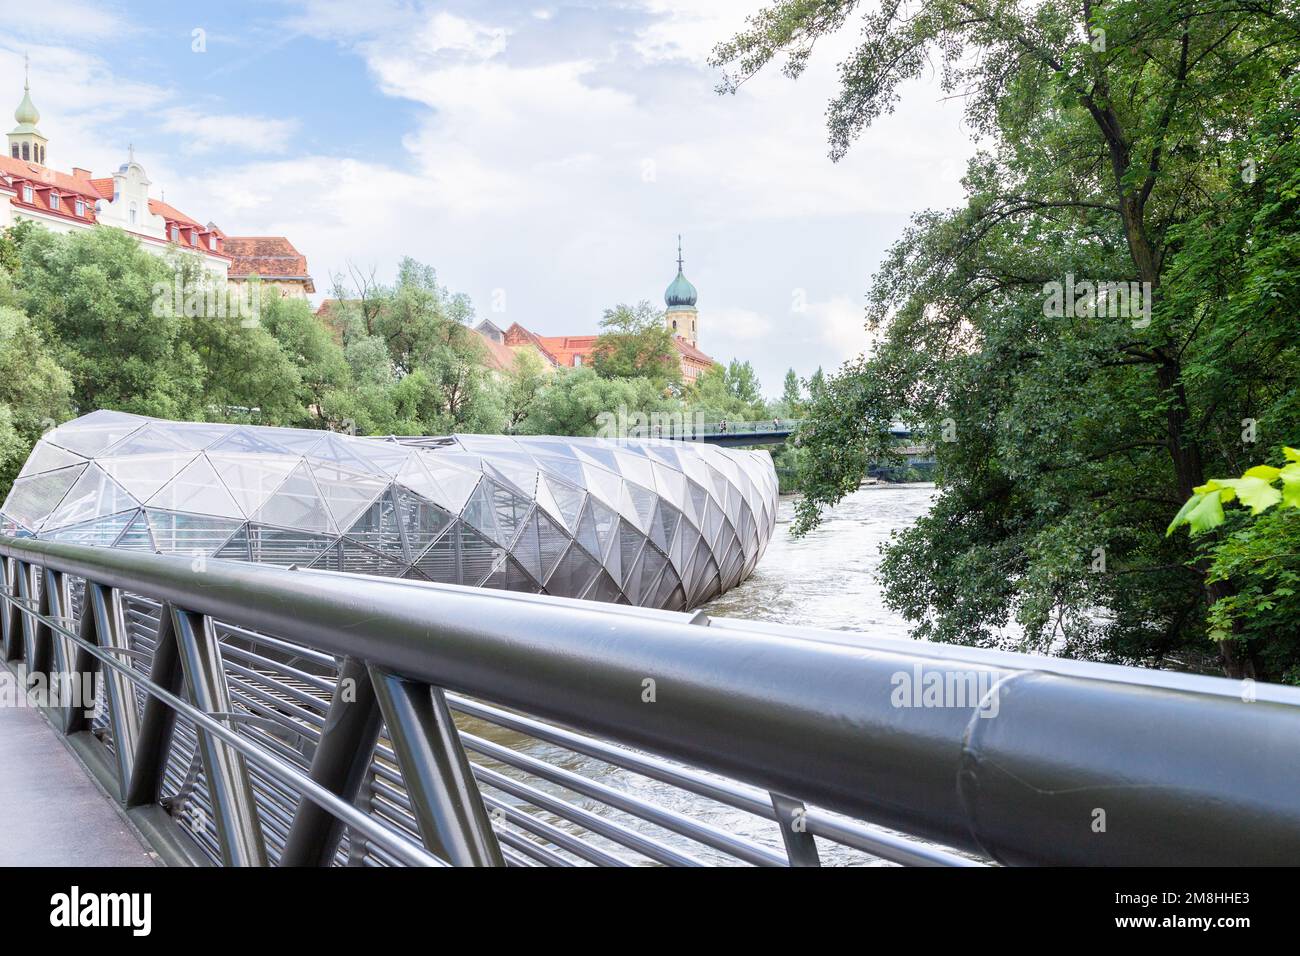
[306,718]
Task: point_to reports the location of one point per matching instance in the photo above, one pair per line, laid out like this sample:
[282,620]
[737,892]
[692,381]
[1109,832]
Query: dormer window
[212,243]
[81,207]
[176,233]
[28,195]
[54,199]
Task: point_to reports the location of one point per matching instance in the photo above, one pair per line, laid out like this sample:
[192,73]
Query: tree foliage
[1133,141]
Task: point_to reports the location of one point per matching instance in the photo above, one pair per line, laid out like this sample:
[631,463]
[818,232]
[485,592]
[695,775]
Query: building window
[54,199]
[132,216]
[577,360]
[14,149]
[176,233]
[81,207]
[28,195]
[26,154]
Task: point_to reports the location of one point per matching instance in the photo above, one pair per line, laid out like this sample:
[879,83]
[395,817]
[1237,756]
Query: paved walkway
[51,812]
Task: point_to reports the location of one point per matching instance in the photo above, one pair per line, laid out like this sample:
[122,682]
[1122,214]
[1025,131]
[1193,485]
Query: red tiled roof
[689,351]
[271,257]
[565,347]
[103,186]
[172,214]
[500,356]
[34,172]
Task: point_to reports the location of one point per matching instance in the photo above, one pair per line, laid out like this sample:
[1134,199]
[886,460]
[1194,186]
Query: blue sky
[542,156]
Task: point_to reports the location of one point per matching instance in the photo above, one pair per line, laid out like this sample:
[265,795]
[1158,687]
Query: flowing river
[828,578]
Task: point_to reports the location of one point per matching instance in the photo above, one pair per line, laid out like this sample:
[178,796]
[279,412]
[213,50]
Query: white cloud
[202,132]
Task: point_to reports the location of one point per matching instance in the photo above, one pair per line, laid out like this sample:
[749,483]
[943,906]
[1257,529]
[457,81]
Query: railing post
[111,632]
[10,623]
[36,651]
[229,786]
[159,720]
[54,601]
[340,763]
[444,797]
[800,845]
[84,666]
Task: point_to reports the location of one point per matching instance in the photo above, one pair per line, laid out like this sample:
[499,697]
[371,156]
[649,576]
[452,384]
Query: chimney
[79,173]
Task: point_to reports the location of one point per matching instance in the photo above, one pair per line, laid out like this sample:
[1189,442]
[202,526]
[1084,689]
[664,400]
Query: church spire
[26,141]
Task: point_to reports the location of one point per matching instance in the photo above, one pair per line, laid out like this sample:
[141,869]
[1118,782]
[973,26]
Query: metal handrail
[738,710]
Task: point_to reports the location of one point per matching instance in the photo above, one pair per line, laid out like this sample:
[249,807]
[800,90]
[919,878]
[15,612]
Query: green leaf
[1264,472]
[1206,515]
[1255,493]
[1291,490]
[1291,454]
[1181,517]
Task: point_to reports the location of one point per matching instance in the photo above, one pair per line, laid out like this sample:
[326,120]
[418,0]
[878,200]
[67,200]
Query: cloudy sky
[543,156]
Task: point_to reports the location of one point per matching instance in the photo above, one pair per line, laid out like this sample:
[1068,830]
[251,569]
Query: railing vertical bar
[76,716]
[36,654]
[444,796]
[800,845]
[158,723]
[340,764]
[110,629]
[12,623]
[233,805]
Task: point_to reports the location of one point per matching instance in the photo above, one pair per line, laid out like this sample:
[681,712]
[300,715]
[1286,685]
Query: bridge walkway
[52,813]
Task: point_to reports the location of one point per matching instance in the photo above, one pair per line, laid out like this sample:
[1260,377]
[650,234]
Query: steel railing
[291,717]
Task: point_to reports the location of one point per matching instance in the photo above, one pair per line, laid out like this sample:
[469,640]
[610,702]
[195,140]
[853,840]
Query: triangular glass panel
[604,589]
[297,504]
[93,495]
[90,440]
[573,573]
[566,469]
[137,536]
[338,450]
[642,505]
[47,457]
[346,492]
[98,532]
[248,441]
[551,542]
[152,439]
[32,499]
[420,521]
[377,527]
[281,547]
[460,556]
[355,558]
[527,552]
[251,479]
[237,548]
[385,456]
[630,542]
[652,565]
[197,490]
[605,485]
[568,500]
[509,576]
[457,482]
[143,475]
[517,478]
[190,534]
[664,525]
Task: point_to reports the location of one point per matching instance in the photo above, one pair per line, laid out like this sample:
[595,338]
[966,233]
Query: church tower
[26,141]
[680,298]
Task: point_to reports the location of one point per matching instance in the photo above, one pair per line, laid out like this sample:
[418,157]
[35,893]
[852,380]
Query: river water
[826,579]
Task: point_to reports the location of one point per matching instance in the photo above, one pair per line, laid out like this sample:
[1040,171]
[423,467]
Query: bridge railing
[251,715]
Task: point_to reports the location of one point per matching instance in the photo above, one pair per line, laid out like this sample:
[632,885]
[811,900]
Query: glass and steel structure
[652,523]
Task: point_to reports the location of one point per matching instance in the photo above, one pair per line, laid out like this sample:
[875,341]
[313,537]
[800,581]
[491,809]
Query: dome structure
[653,523]
[26,115]
[680,293]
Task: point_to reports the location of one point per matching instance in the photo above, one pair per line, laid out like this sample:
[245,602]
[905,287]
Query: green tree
[576,402]
[635,343]
[35,391]
[521,388]
[104,305]
[1147,142]
[791,404]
